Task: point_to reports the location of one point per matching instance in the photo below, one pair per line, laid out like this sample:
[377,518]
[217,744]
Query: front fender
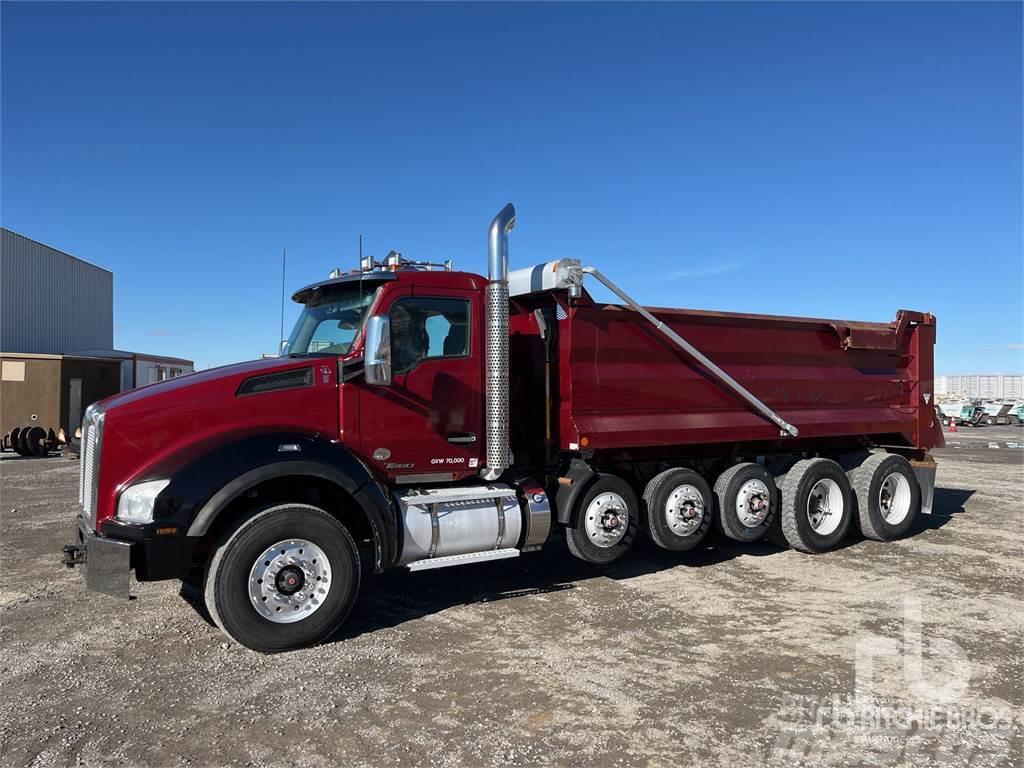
[201,489]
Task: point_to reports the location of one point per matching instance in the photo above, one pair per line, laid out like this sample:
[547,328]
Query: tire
[597,543]
[886,495]
[238,558]
[678,509]
[945,422]
[15,441]
[746,502]
[23,448]
[806,488]
[991,421]
[35,442]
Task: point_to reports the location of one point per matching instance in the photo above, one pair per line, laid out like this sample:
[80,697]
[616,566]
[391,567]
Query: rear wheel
[679,506]
[285,578]
[606,521]
[887,496]
[817,505]
[746,500]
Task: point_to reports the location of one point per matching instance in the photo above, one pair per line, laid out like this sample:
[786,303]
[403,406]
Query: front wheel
[285,578]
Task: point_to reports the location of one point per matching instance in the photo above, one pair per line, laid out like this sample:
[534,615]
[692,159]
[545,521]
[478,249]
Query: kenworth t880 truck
[427,418]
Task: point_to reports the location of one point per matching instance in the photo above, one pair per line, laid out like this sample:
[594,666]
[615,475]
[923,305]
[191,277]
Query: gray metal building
[52,302]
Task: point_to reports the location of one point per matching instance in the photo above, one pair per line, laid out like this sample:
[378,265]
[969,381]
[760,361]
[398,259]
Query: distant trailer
[999,413]
[139,368]
[962,411]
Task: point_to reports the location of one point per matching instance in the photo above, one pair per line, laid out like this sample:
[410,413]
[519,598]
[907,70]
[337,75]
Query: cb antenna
[284,262]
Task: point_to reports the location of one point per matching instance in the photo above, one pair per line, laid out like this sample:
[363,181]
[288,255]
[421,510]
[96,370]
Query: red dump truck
[423,418]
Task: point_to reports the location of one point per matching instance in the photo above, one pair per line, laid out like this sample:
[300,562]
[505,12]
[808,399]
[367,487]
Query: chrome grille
[89,463]
[81,462]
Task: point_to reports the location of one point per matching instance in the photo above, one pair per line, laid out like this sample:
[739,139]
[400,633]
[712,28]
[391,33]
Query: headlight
[136,502]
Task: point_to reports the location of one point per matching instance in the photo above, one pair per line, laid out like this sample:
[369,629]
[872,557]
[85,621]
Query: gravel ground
[734,655]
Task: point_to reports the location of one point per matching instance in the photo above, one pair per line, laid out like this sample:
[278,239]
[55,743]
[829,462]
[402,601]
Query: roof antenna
[280,338]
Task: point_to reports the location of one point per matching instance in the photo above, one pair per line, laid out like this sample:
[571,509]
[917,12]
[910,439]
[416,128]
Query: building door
[74,406]
[428,424]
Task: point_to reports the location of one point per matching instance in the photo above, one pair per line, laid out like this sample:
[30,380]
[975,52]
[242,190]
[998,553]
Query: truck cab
[427,424]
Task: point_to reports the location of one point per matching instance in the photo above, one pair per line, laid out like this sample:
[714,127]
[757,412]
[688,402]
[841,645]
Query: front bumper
[109,557]
[107,562]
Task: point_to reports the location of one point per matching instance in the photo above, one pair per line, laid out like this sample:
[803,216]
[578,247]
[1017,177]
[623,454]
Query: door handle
[461,437]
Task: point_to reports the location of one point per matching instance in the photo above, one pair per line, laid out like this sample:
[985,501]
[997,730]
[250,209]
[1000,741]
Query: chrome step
[472,557]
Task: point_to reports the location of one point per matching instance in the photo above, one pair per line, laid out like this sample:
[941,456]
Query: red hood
[149,431]
[233,371]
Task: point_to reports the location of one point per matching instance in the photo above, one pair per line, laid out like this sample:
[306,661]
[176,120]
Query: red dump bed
[622,384]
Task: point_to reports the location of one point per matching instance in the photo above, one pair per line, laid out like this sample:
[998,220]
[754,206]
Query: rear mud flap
[924,471]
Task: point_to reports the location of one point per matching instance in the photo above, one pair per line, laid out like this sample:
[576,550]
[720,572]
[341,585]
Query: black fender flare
[203,487]
[580,476]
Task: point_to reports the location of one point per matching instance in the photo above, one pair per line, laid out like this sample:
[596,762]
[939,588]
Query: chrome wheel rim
[684,510]
[825,506]
[753,502]
[289,581]
[606,520]
[894,498]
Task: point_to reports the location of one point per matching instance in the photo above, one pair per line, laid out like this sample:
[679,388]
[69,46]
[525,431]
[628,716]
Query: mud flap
[924,471]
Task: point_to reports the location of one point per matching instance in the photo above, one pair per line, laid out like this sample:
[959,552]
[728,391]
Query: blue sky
[839,160]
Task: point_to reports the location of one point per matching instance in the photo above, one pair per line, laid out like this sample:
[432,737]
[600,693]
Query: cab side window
[425,328]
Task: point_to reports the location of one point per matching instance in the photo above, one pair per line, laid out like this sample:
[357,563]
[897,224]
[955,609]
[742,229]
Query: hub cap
[289,581]
[753,503]
[607,520]
[684,510]
[894,498]
[825,506]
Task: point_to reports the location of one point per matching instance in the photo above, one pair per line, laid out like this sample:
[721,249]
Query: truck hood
[235,372]
[150,431]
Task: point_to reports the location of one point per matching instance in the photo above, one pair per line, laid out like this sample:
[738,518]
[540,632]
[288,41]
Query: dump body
[621,385]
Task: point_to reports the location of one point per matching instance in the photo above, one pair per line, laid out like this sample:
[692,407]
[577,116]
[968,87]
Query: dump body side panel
[629,387]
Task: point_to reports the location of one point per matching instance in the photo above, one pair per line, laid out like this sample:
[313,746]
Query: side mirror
[377,351]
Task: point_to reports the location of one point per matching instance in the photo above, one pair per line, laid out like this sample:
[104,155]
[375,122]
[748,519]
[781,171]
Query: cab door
[427,425]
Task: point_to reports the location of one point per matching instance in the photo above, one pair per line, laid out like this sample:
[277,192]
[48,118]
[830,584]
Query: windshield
[330,320]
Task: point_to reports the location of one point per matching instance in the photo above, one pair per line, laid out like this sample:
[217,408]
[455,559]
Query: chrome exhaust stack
[496,338]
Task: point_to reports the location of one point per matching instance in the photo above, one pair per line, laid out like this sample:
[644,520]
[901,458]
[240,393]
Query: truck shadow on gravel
[947,503]
[398,596]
